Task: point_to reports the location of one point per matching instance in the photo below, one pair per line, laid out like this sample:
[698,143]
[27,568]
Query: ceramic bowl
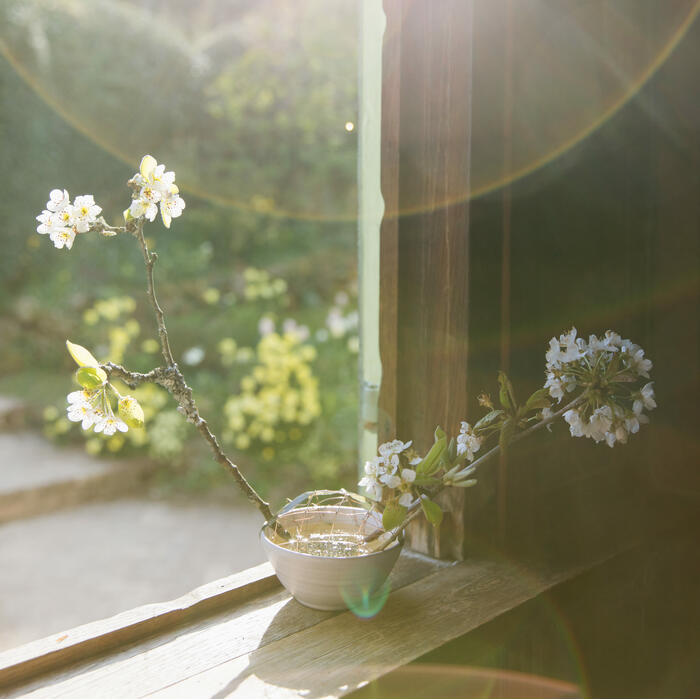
[331,583]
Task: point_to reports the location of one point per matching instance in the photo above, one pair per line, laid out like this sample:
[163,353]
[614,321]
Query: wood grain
[60,650]
[344,653]
[389,230]
[424,267]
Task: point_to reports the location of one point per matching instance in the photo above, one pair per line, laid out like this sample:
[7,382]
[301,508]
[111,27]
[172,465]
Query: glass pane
[254,106]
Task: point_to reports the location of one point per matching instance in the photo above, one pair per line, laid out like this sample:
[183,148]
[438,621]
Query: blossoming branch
[602,378]
[153,188]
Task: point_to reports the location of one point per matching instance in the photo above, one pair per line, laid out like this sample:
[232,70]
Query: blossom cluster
[154,187]
[391,469]
[92,409]
[608,371]
[63,220]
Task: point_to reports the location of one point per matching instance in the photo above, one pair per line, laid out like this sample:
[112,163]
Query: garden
[259,279]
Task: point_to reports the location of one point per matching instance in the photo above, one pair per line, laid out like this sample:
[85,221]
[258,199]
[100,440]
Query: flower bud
[130,412]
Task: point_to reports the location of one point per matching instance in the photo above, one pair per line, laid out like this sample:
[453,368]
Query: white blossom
[62,220]
[546,414]
[406,499]
[372,487]
[391,480]
[467,441]
[63,237]
[567,349]
[632,424]
[599,423]
[85,212]
[48,221]
[609,343]
[108,425]
[573,418]
[645,399]
[171,205]
[383,471]
[81,409]
[156,187]
[146,204]
[640,364]
[408,476]
[58,200]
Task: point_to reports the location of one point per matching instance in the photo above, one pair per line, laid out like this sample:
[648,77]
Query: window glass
[253,104]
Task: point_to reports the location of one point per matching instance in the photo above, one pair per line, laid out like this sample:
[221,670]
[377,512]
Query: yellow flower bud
[130,412]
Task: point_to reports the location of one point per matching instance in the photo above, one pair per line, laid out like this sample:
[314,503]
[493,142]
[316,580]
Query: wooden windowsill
[245,636]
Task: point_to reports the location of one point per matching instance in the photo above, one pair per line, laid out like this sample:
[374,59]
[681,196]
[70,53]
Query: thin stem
[150,260]
[519,436]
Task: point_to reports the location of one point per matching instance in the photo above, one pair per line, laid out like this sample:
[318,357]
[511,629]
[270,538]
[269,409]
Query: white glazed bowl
[331,583]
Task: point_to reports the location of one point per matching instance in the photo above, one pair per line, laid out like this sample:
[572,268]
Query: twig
[150,260]
[518,436]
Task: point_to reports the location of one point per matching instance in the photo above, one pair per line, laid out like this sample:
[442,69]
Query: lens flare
[365,603]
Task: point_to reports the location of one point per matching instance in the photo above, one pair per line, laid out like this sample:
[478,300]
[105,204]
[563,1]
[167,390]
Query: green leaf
[489,418]
[439,434]
[90,377]
[452,451]
[540,399]
[433,512]
[503,393]
[393,515]
[82,357]
[465,484]
[425,481]
[431,462]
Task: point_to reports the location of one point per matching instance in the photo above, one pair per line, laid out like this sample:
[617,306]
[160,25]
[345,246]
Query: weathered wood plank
[426,145]
[340,654]
[389,231]
[180,651]
[60,650]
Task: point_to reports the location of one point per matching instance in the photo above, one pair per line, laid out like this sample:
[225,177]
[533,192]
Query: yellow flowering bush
[259,284]
[277,399]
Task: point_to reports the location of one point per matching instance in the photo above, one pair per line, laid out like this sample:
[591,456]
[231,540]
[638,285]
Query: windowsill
[244,635]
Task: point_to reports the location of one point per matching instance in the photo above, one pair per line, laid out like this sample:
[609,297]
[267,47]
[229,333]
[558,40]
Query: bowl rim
[398,543]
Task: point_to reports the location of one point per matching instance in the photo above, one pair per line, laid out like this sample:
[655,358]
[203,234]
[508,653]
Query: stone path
[69,556]
[37,477]
[75,566]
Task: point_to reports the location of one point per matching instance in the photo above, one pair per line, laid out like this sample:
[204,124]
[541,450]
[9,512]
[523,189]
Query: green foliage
[506,393]
[393,515]
[538,400]
[431,463]
[433,512]
[488,419]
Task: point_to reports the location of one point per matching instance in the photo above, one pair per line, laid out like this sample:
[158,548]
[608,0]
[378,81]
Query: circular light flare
[349,126]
